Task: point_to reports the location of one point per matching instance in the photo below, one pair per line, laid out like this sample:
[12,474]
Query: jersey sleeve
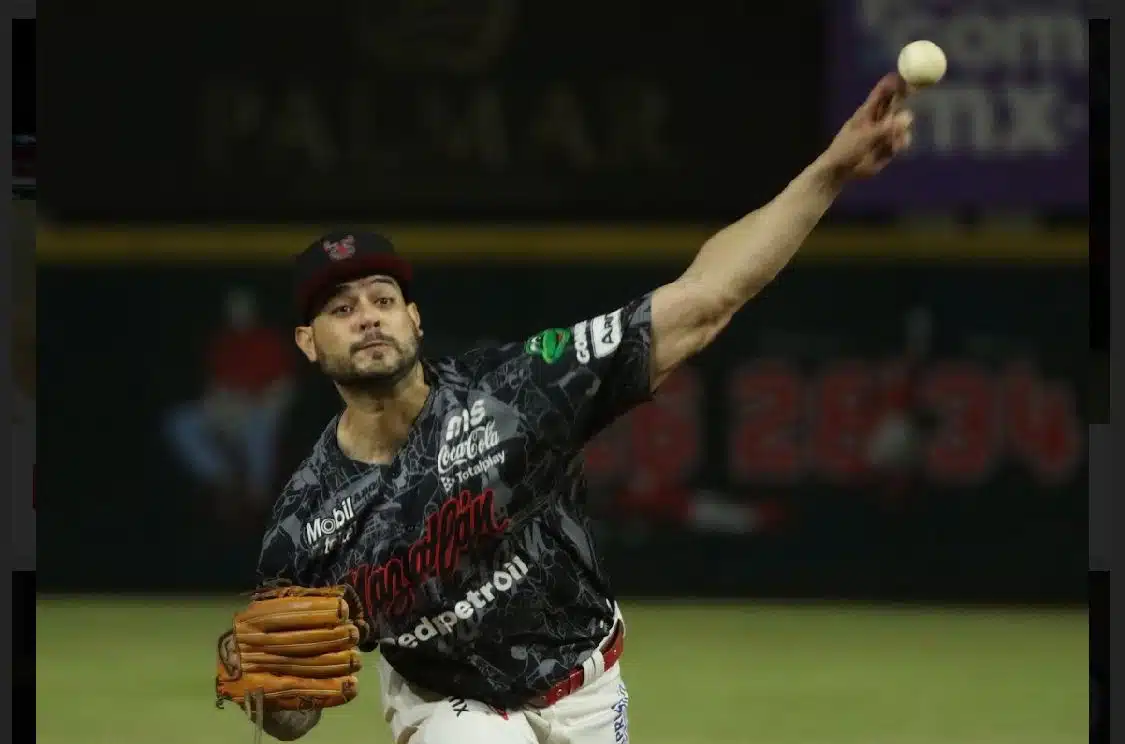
[282,558]
[277,561]
[596,370]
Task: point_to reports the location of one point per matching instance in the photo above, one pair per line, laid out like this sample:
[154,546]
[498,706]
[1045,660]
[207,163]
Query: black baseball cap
[343,256]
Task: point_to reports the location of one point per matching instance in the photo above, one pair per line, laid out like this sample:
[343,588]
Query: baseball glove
[293,648]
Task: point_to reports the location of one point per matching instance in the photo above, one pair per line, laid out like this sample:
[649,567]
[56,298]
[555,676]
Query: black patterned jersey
[472,550]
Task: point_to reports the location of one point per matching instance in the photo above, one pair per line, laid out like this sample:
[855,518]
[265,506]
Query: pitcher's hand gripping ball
[293,648]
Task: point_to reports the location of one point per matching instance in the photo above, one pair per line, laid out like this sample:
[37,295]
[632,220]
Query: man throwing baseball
[440,518]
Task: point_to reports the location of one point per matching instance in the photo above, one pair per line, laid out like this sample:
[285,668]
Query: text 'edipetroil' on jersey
[475,601]
[602,335]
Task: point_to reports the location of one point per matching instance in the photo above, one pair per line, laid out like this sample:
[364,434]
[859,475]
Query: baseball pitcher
[440,517]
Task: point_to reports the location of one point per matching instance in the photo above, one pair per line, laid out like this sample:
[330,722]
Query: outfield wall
[750,474]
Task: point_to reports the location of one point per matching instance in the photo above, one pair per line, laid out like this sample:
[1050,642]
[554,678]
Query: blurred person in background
[23,375]
[900,426]
[230,437]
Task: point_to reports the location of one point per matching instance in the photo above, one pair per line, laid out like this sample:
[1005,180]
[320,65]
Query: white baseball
[921,63]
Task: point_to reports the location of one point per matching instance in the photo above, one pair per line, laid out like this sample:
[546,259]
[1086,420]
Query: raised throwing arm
[736,263]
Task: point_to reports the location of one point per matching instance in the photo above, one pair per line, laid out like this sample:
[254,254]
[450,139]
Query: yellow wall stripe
[599,243]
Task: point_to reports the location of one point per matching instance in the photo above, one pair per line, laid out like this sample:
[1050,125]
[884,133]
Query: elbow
[749,286]
[712,302]
[702,330]
[708,304]
[708,313]
[715,314]
[687,318]
[709,329]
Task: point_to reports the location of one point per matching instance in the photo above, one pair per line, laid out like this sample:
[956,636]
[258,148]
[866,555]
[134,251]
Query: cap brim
[316,288]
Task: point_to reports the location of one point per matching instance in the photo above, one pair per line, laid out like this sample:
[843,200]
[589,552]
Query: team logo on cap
[340,249]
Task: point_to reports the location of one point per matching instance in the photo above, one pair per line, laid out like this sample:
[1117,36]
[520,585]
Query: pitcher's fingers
[892,126]
[882,96]
[898,103]
[898,130]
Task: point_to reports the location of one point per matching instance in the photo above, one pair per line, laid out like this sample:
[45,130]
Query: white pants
[595,714]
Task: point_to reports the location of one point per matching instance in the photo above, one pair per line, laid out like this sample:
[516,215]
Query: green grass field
[115,671]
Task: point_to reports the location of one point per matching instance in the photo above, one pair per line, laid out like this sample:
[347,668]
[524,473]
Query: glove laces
[256,712]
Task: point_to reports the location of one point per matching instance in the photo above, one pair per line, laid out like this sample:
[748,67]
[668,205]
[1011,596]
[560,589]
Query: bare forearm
[737,262]
[288,725]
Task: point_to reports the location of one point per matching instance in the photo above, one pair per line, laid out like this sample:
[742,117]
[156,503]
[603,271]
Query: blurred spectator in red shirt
[229,437]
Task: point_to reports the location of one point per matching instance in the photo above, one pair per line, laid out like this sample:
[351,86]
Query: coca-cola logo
[476,443]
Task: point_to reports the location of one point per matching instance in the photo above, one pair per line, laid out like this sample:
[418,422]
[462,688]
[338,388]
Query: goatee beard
[378,385]
[381,384]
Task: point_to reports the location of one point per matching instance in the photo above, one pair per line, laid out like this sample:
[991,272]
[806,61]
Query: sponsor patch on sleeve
[549,345]
[606,333]
[582,341]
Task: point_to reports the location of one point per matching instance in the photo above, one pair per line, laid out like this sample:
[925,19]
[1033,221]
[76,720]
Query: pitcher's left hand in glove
[293,648]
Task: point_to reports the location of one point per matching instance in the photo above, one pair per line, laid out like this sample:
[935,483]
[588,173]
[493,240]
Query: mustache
[373,338]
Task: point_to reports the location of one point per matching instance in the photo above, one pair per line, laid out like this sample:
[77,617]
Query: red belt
[577,677]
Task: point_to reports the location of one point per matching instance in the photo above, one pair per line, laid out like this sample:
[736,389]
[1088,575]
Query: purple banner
[1008,126]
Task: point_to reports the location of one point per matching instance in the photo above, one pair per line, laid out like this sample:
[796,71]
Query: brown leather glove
[293,648]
